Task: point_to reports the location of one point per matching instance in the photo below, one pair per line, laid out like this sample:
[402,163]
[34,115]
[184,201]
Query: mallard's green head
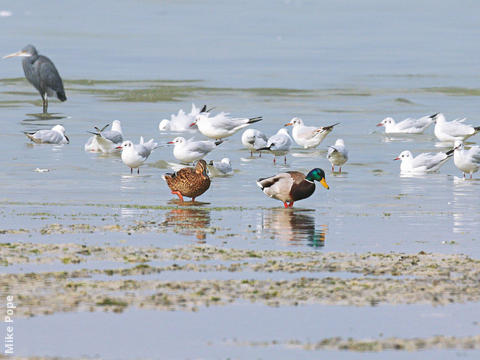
[319,175]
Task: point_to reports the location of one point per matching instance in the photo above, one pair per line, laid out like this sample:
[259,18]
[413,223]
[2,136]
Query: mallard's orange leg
[285,204]
[178,194]
[193,199]
[291,204]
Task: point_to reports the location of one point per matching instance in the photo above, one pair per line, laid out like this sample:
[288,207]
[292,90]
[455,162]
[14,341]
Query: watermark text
[8,320]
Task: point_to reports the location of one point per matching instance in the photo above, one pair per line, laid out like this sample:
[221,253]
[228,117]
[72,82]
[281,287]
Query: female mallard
[190,182]
[292,186]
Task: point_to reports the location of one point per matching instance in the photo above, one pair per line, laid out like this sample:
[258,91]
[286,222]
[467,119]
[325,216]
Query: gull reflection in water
[294,227]
[466,209]
[130,182]
[188,221]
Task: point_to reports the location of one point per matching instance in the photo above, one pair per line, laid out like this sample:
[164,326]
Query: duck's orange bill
[324,183]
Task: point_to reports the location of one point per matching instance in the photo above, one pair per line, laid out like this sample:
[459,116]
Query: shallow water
[353,63]
[230,328]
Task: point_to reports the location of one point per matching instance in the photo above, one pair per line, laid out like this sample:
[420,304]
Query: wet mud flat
[68,264]
[325,278]
[55,276]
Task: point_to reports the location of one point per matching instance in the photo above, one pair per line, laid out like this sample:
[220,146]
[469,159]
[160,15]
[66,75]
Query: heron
[42,74]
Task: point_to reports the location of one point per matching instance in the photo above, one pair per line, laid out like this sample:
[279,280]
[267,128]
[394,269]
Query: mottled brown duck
[189,182]
[292,186]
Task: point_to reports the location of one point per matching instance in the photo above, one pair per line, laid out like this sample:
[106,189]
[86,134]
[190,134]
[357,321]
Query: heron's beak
[324,183]
[379,124]
[18,53]
[397,158]
[288,124]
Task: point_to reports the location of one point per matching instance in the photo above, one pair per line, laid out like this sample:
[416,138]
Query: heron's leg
[45,103]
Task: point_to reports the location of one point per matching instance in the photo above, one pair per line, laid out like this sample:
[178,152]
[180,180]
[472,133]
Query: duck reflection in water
[294,227]
[188,221]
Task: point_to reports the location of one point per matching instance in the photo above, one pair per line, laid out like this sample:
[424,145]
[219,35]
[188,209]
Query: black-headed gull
[422,163]
[56,135]
[105,140]
[451,131]
[467,161]
[254,139]
[181,121]
[308,136]
[221,125]
[190,150]
[407,126]
[134,155]
[279,144]
[337,154]
[219,168]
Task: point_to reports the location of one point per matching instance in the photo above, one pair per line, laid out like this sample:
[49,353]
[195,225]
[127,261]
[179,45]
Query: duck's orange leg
[291,204]
[178,194]
[193,199]
[285,204]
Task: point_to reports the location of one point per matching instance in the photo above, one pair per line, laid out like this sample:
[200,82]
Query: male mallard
[292,186]
[190,182]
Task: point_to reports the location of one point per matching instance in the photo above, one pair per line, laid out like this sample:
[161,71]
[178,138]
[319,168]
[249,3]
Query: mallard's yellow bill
[324,183]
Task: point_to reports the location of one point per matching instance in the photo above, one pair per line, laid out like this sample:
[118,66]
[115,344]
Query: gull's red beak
[119,147]
[397,158]
[170,142]
[379,124]
[193,123]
